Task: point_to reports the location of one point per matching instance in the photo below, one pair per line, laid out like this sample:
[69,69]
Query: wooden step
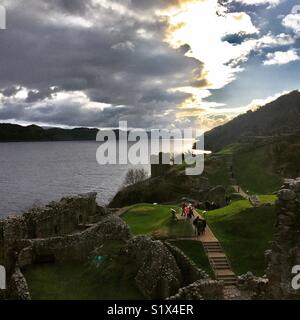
[212,243]
[218,258]
[216,255]
[213,248]
[226,265]
[222,264]
[226,274]
[221,267]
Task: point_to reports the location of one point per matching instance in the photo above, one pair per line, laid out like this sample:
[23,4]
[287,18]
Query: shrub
[134,176]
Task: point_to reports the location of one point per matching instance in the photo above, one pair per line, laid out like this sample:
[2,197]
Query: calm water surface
[36,173]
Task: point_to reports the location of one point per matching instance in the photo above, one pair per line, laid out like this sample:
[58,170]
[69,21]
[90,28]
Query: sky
[155,64]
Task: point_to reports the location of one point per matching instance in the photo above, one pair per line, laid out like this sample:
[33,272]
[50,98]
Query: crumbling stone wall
[158,275]
[77,247]
[285,251]
[18,288]
[204,289]
[22,237]
[189,270]
[255,287]
[12,230]
[60,218]
[56,219]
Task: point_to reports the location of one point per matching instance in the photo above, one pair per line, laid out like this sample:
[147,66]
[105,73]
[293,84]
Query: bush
[134,176]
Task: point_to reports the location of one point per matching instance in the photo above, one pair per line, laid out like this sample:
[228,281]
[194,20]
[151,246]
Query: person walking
[183,205]
[195,223]
[200,227]
[190,212]
[204,223]
[186,211]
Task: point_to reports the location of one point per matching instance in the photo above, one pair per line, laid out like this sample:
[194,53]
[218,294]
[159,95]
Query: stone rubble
[285,251]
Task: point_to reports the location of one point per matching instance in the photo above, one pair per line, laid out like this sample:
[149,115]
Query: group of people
[187,210]
[199,223]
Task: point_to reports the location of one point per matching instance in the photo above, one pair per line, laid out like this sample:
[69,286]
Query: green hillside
[281,116]
[245,233]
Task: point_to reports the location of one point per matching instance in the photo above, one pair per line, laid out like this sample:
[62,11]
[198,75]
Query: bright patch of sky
[233,39]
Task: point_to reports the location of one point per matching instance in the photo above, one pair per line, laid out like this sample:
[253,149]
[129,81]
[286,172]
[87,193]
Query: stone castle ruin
[61,231]
[72,229]
[285,253]
[285,250]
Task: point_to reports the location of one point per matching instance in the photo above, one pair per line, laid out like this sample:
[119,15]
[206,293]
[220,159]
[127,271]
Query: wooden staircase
[219,262]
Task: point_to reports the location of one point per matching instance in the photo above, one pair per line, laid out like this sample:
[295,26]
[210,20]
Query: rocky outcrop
[256,287]
[158,275]
[285,253]
[18,288]
[201,290]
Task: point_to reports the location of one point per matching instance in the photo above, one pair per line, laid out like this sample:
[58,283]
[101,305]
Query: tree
[134,176]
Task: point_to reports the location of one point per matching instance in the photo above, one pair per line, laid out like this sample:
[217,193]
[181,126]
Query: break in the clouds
[160,63]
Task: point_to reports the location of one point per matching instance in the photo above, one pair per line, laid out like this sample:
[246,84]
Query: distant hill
[12,132]
[281,116]
[16,133]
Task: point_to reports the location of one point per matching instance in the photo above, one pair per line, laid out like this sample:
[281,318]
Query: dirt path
[239,190]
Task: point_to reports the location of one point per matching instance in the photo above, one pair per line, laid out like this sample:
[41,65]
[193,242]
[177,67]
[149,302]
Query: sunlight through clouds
[205,27]
[202,25]
[199,25]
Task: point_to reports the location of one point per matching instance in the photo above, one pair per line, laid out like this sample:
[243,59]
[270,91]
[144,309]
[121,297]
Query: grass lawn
[114,279]
[194,250]
[253,171]
[156,220]
[244,233]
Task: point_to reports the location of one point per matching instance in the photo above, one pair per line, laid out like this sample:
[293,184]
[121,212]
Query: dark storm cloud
[119,59]
[146,4]
[34,96]
[10,91]
[70,6]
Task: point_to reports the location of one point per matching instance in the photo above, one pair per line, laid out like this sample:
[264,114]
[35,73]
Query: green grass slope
[156,220]
[194,250]
[254,171]
[113,279]
[245,233]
